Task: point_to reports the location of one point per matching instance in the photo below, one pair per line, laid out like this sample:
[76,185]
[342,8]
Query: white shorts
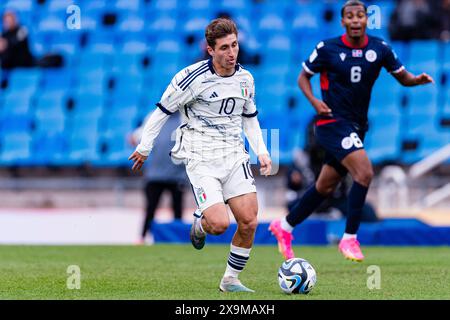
[218,181]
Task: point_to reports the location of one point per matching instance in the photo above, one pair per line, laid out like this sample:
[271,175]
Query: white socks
[286,226]
[237,260]
[347,236]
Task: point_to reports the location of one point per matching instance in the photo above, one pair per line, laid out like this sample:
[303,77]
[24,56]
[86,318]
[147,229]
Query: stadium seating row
[118,65]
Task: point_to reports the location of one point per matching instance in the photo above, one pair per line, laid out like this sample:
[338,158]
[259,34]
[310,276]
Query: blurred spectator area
[126,52]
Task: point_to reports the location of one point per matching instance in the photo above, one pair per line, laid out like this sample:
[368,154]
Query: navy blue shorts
[339,138]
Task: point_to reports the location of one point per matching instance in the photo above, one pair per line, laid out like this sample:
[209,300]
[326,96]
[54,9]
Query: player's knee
[219,227]
[364,177]
[326,189]
[248,225]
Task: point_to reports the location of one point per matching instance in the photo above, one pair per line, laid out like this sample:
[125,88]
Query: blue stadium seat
[428,142]
[55,6]
[306,20]
[18,5]
[127,64]
[85,125]
[47,123]
[57,79]
[83,149]
[115,150]
[425,50]
[137,47]
[17,103]
[235,7]
[90,61]
[118,124]
[432,142]
[124,105]
[418,125]
[92,81]
[101,42]
[15,149]
[131,23]
[24,80]
[92,6]
[423,101]
[49,148]
[198,8]
[271,22]
[383,138]
[128,84]
[196,25]
[386,96]
[166,61]
[166,24]
[402,50]
[128,5]
[272,101]
[52,102]
[15,123]
[424,55]
[274,76]
[67,43]
[51,23]
[164,6]
[278,51]
[89,105]
[90,22]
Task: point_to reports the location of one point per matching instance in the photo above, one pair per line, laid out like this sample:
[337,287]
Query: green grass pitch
[179,272]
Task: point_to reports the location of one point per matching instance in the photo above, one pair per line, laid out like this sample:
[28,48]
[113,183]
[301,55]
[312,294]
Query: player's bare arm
[407,79]
[304,82]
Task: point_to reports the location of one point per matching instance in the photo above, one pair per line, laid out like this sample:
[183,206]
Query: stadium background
[64,173]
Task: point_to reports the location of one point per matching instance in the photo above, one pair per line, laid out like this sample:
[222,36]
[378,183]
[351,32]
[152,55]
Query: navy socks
[306,205]
[356,200]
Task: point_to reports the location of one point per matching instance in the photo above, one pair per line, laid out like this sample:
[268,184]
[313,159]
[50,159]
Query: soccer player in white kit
[216,100]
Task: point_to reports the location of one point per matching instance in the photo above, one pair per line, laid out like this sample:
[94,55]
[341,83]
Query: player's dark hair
[219,28]
[352,3]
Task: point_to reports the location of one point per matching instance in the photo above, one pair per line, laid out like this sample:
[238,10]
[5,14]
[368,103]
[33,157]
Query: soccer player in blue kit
[348,67]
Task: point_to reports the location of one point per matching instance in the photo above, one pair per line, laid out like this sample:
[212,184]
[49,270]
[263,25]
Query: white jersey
[212,108]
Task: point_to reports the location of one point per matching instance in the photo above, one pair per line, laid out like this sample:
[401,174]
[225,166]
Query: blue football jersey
[347,74]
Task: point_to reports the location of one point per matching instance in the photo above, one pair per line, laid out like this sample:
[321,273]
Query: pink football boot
[351,250]
[284,239]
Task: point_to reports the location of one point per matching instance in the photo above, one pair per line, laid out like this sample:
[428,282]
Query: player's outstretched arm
[151,130]
[407,79]
[304,82]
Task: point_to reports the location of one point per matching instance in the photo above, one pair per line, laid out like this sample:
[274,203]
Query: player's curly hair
[219,28]
[351,3]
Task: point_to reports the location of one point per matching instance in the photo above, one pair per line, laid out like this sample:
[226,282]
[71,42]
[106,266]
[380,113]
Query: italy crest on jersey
[201,195]
[245,89]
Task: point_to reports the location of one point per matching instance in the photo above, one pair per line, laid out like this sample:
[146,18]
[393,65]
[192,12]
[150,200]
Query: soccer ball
[296,275]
